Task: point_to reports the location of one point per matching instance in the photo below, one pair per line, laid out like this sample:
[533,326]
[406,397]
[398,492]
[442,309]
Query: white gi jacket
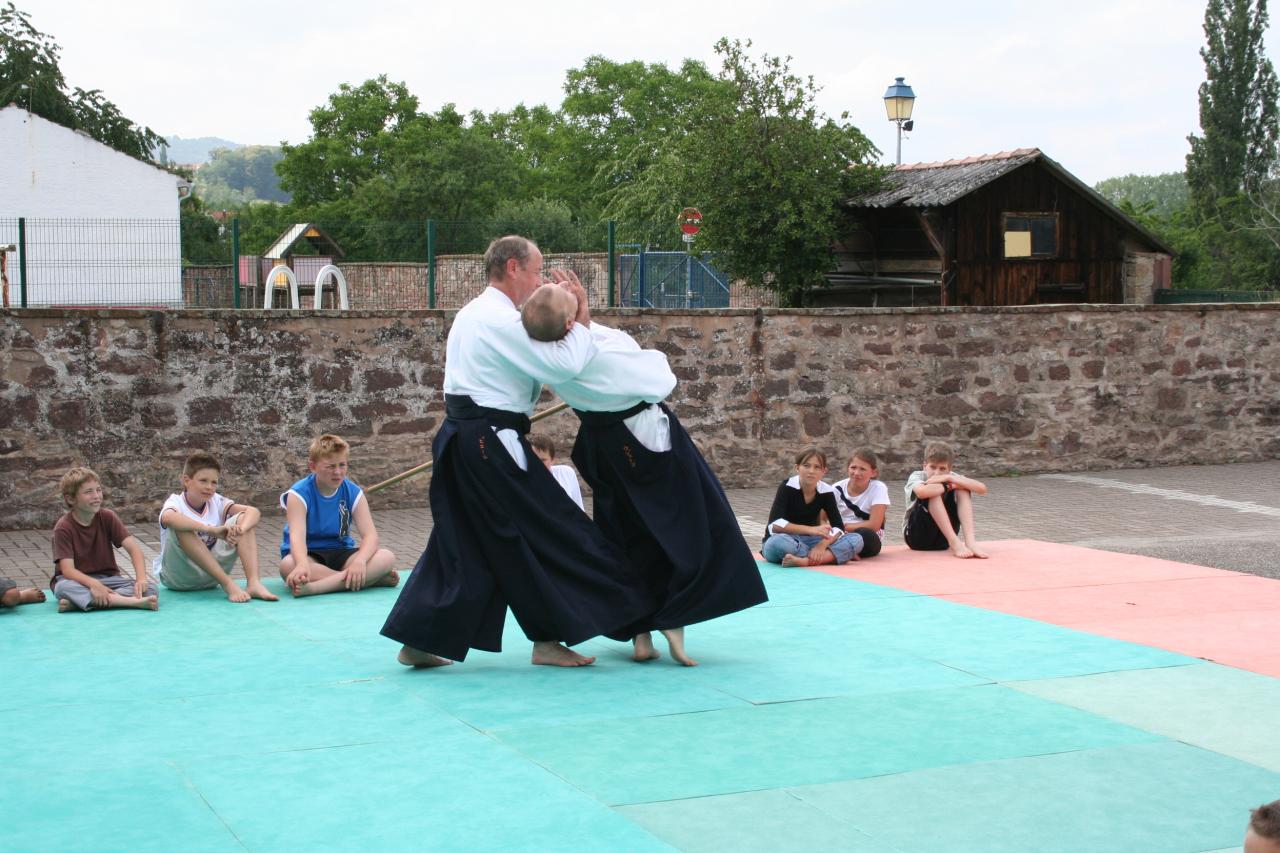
[619,376]
[490,358]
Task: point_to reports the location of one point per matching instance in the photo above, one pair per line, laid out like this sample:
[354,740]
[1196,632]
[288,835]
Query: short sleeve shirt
[328,516]
[213,513]
[917,478]
[857,508]
[91,548]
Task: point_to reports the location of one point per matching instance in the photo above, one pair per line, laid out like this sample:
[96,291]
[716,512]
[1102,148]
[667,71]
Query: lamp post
[898,101]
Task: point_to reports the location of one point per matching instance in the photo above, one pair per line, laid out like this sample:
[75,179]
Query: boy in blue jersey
[318,553]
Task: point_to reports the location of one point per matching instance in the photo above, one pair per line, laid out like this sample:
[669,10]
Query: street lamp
[898,101]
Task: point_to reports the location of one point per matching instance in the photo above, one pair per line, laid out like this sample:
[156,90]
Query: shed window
[1031,235]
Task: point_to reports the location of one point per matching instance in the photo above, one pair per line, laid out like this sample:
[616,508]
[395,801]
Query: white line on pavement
[1171,494]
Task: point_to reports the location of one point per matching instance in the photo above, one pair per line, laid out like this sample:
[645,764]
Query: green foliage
[623,119]
[632,140]
[350,143]
[31,78]
[1166,194]
[766,169]
[204,240]
[234,177]
[1238,115]
[548,223]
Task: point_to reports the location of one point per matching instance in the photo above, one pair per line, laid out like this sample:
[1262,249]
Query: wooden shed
[1013,228]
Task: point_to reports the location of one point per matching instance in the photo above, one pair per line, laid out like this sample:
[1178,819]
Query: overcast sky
[1105,87]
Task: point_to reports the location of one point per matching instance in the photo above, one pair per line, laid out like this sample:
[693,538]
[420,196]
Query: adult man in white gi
[504,532]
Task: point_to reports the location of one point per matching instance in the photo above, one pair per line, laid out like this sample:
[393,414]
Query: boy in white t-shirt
[863,501]
[202,534]
[545,449]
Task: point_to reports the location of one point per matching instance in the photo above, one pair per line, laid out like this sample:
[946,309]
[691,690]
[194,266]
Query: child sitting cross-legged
[85,574]
[318,553]
[804,521]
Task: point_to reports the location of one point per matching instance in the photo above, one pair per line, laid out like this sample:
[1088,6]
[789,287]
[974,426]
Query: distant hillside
[239,177]
[195,150]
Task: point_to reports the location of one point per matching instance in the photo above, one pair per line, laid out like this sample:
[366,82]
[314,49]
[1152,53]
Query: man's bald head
[548,313]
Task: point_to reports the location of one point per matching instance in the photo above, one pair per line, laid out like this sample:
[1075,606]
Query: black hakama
[669,514]
[506,537]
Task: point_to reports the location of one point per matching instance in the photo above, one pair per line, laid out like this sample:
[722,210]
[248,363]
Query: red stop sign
[690,220]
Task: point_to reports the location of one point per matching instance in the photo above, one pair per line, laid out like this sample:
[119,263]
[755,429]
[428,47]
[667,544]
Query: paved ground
[1224,516]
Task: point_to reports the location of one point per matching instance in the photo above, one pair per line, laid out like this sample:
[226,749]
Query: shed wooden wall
[1090,243]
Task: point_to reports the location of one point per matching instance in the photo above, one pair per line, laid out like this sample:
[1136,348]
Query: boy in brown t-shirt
[85,574]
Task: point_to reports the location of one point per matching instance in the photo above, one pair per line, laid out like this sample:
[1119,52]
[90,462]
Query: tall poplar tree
[1238,116]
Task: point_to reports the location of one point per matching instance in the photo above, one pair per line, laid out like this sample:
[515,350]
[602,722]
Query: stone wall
[1046,388]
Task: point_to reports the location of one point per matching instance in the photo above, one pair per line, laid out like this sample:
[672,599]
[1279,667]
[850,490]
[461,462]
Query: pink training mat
[1218,615]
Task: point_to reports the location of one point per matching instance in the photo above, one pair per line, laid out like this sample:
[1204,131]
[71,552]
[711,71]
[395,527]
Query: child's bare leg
[116,600]
[193,546]
[551,653]
[30,596]
[644,650]
[964,508]
[820,558]
[322,580]
[380,571]
[247,551]
[938,512]
[675,644]
[11,597]
[285,566]
[418,659]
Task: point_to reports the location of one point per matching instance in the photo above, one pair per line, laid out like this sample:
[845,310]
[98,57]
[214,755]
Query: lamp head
[898,100]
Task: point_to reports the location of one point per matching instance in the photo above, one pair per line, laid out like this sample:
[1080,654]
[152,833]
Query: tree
[30,77]
[765,167]
[233,177]
[1238,115]
[350,141]
[1167,194]
[621,118]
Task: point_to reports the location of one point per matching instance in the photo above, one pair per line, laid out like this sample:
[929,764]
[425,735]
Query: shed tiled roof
[940,184]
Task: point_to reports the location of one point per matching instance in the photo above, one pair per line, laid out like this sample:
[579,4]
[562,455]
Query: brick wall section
[1014,389]
[386,286]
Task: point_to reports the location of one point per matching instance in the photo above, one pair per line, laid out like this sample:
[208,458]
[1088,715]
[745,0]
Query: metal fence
[1184,297]
[200,263]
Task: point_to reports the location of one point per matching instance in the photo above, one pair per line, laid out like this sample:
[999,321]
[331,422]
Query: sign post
[690,224]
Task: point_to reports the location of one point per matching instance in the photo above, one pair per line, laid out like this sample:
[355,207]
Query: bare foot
[30,596]
[644,648]
[63,605]
[976,552]
[791,560]
[547,653]
[675,644]
[418,659]
[261,593]
[961,551]
[235,594]
[391,578]
[151,602]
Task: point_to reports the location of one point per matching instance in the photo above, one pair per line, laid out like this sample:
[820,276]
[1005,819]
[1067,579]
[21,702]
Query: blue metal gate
[669,280]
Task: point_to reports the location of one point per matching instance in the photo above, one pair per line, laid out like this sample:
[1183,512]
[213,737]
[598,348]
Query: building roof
[943,183]
[283,246]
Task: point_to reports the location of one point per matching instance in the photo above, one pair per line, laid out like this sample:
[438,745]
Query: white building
[101,228]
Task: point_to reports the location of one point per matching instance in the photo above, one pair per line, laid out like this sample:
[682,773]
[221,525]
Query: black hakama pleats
[669,514]
[503,537]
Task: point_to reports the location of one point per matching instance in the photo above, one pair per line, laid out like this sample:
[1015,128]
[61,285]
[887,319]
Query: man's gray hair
[502,250]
